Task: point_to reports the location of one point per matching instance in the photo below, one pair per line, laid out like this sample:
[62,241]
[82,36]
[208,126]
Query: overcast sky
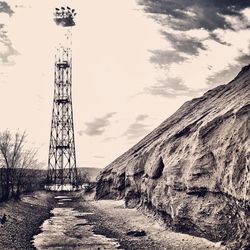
[134,64]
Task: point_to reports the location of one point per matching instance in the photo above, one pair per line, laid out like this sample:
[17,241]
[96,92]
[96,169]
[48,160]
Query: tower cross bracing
[62,155]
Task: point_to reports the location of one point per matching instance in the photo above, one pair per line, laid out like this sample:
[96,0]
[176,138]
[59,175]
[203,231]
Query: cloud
[195,29]
[184,43]
[163,58]
[195,14]
[224,76]
[230,72]
[6,47]
[219,39]
[178,17]
[98,126]
[137,129]
[98,156]
[140,118]
[181,44]
[171,88]
[5,8]
[244,59]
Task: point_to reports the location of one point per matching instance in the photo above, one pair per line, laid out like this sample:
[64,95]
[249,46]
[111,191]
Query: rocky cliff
[193,170]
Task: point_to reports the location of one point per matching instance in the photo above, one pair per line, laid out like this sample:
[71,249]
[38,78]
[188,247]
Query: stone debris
[137,233]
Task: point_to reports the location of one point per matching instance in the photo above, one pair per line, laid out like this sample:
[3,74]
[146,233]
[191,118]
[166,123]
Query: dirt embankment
[24,218]
[193,170]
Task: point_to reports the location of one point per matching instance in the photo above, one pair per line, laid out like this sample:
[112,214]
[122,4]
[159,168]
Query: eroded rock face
[193,170]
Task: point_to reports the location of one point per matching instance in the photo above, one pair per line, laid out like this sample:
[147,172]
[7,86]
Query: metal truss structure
[62,156]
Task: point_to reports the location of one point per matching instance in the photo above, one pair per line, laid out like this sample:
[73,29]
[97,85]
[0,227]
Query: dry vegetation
[19,168]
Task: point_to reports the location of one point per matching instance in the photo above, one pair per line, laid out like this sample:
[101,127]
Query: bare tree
[18,164]
[8,153]
[26,172]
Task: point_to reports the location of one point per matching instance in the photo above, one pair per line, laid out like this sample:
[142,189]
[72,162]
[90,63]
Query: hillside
[193,170]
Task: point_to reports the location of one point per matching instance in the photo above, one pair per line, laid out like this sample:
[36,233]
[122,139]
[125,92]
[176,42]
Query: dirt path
[69,229]
[70,222]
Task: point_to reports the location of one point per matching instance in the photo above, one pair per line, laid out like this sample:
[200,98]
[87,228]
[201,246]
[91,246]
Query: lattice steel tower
[62,156]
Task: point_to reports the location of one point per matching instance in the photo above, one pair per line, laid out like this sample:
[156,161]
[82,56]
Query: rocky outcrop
[193,170]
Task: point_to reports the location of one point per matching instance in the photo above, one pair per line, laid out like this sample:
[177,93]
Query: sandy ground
[23,220]
[157,235]
[88,219]
[112,219]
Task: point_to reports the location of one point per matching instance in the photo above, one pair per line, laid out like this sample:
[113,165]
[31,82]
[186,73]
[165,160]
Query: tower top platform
[64,16]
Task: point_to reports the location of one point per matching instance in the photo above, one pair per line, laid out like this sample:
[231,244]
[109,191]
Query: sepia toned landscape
[125,125]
